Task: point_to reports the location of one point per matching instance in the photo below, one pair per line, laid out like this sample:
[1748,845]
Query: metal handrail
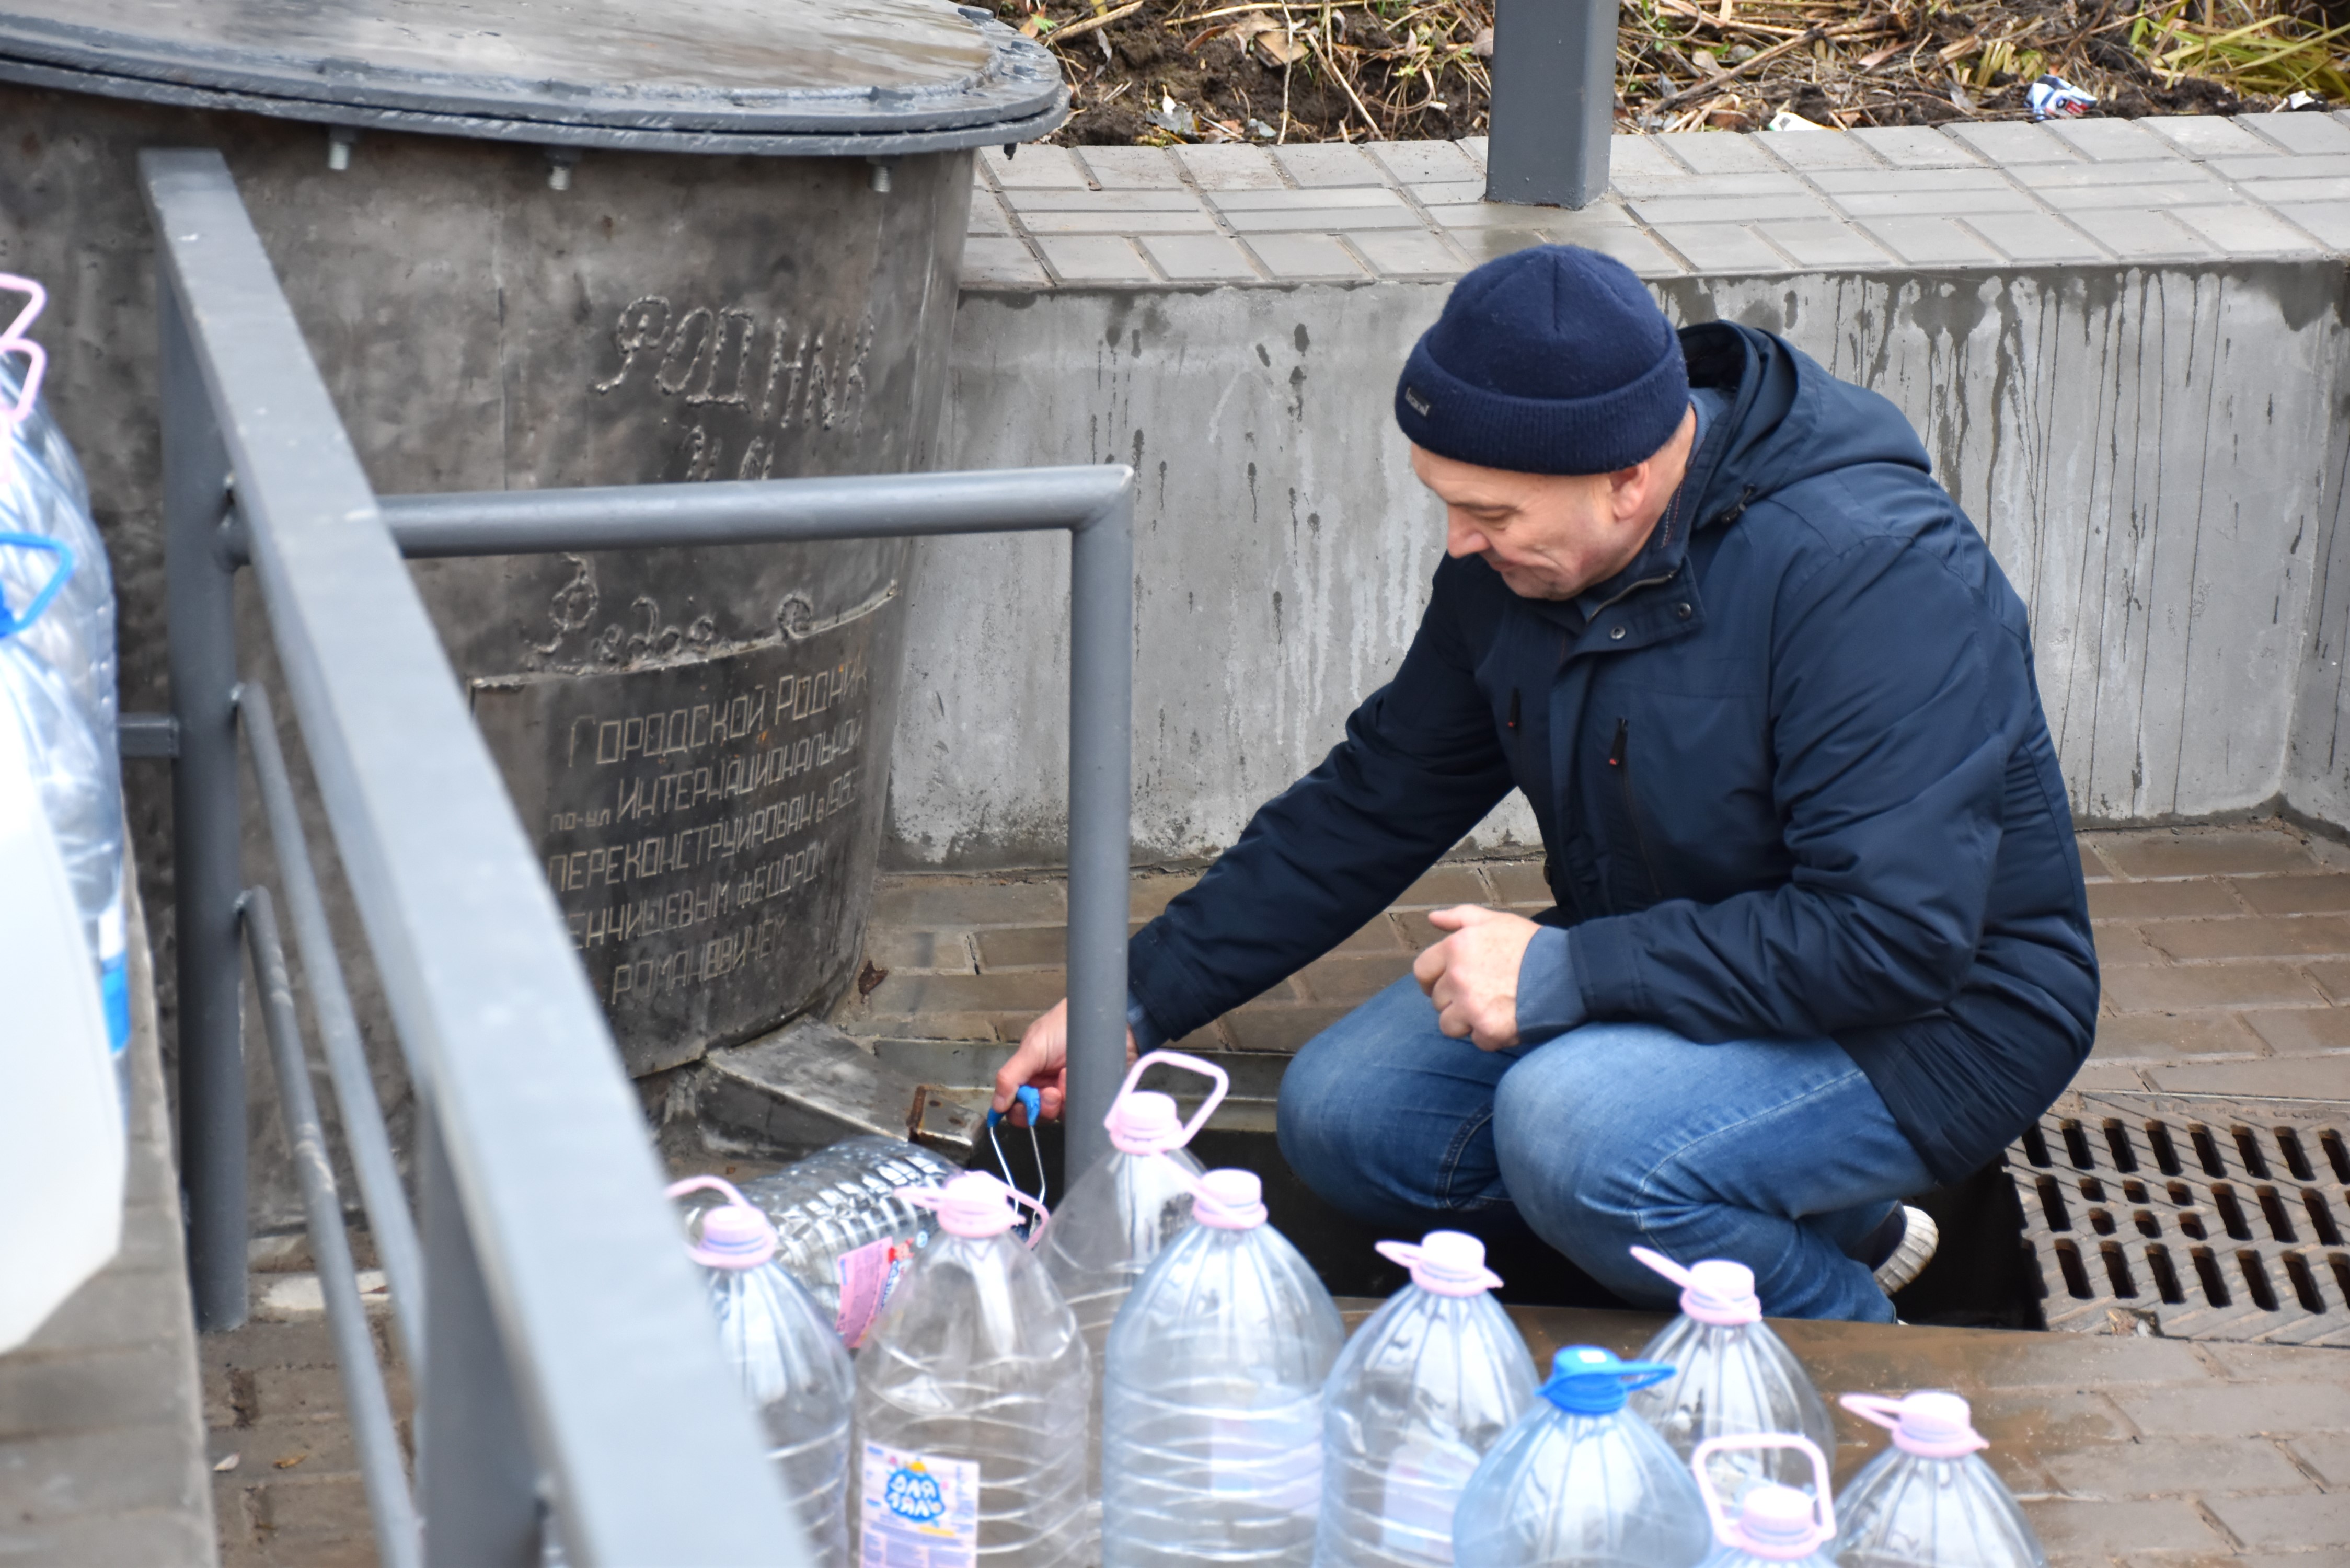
[570,1357]
[568,1331]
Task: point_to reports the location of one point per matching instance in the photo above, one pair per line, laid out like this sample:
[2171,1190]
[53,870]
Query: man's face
[1549,535]
[1552,535]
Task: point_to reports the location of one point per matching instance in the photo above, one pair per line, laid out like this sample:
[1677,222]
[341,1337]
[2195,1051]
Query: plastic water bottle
[971,1402]
[1929,1501]
[1123,1212]
[1581,1480]
[1421,1394]
[1732,1374]
[791,1363]
[845,1227]
[1771,1526]
[1212,1412]
[80,788]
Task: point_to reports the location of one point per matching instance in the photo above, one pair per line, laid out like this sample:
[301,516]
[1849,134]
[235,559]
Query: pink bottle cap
[734,1235]
[1143,1121]
[1229,1200]
[1716,1292]
[1932,1424]
[974,1205]
[1444,1263]
[1773,1522]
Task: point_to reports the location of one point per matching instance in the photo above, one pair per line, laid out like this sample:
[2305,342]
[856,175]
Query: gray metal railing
[561,1344]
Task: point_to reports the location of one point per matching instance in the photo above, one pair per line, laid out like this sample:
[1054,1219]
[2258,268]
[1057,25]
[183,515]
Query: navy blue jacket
[1790,768]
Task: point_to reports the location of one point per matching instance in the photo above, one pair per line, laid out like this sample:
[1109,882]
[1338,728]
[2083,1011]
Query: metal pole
[373,1435]
[476,1485]
[1101,741]
[206,830]
[745,511]
[1553,101]
[338,1031]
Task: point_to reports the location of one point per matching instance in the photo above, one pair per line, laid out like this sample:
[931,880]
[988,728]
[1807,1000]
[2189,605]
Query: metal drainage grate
[2188,1219]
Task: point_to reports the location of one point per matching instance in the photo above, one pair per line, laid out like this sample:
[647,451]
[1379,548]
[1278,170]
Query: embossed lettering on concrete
[693,820]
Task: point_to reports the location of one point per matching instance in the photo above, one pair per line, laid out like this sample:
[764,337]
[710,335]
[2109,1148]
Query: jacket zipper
[1616,759]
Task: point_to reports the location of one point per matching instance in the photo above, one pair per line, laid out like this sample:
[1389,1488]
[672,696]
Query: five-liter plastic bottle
[791,1363]
[845,1227]
[80,786]
[1122,1213]
[1420,1394]
[1581,1481]
[969,1444]
[1771,1525]
[1731,1375]
[1929,1501]
[1211,1411]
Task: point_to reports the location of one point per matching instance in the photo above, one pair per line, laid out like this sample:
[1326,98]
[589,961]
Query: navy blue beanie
[1549,360]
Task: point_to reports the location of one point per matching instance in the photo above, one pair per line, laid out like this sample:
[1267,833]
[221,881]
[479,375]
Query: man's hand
[1472,975]
[1042,1060]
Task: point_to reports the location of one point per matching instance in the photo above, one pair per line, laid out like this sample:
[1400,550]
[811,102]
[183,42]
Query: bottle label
[867,1275]
[917,1511]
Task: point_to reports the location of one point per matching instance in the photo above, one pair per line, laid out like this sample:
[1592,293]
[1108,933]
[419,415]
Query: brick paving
[2226,953]
[101,1442]
[273,1404]
[2191,189]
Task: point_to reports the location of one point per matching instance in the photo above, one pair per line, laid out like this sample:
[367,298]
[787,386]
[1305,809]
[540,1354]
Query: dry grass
[1158,71]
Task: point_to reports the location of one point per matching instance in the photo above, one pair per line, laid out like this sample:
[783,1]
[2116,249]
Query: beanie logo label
[1420,405]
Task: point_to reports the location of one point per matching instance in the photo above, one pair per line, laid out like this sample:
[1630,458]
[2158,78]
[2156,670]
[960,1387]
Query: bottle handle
[11,623]
[1177,1059]
[1410,1254]
[36,298]
[1665,1266]
[1880,1410]
[934,1198]
[1725,1529]
[1884,1410]
[734,1199]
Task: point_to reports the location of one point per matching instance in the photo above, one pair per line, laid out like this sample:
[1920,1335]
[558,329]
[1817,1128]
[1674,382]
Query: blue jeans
[1777,1153]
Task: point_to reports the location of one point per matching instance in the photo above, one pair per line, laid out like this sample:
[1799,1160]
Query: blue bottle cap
[1029,1099]
[1585,1380]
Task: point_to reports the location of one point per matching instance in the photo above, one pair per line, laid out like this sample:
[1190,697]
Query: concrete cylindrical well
[569,247]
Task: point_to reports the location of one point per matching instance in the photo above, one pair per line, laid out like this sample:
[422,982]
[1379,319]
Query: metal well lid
[777,76]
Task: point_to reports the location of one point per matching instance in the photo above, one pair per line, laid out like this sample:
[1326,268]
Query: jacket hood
[1788,420]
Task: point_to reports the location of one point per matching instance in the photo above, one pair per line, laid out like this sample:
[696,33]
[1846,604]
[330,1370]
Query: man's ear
[1627,489]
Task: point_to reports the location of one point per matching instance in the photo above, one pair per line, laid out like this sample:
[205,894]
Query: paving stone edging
[2096,193]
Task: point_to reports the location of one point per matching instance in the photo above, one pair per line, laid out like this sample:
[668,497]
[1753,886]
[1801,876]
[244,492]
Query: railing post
[1553,101]
[206,828]
[477,1487]
[1101,742]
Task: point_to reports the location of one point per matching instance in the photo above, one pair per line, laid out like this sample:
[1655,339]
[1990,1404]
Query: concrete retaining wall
[2154,453]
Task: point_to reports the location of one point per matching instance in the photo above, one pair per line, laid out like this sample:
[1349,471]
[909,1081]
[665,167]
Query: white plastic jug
[1421,1394]
[61,1129]
[1581,1480]
[1929,1501]
[1211,1413]
[1731,1375]
[788,1357]
[1770,1526]
[971,1402]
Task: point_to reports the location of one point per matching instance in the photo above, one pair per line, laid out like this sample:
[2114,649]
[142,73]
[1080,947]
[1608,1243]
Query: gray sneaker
[1919,1237]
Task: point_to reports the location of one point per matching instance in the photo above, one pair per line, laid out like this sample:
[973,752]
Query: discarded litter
[2054,98]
